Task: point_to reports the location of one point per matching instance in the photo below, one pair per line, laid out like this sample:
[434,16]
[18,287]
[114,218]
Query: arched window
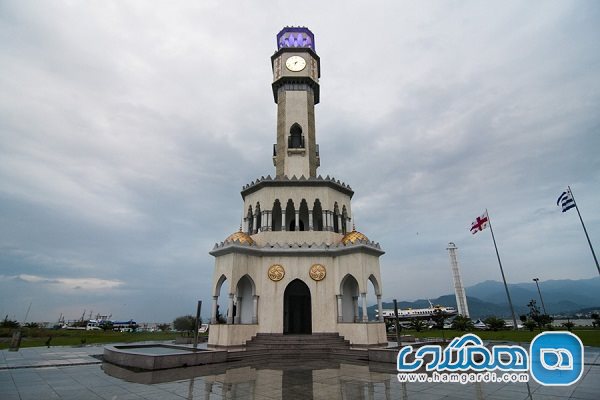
[349,292]
[276,216]
[373,295]
[258,219]
[245,309]
[290,216]
[317,216]
[296,140]
[336,214]
[220,310]
[250,221]
[303,216]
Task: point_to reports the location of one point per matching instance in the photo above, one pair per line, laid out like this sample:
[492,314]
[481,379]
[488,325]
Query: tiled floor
[73,373]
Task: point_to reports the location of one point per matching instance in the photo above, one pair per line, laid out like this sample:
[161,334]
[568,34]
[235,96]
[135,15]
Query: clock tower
[297,266]
[296,73]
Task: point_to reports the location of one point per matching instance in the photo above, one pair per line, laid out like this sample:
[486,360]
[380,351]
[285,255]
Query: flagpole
[585,230]
[512,310]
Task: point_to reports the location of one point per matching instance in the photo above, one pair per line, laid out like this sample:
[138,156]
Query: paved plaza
[78,373]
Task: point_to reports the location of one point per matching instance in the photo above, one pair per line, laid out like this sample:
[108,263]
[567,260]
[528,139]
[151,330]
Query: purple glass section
[299,36]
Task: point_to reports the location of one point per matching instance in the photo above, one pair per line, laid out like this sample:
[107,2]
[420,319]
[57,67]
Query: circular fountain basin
[160,356]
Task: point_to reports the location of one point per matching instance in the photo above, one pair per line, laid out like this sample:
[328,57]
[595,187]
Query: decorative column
[255,309]
[310,220]
[330,222]
[339,308]
[255,223]
[238,311]
[355,306]
[213,315]
[297,227]
[283,222]
[380,308]
[365,317]
[340,230]
[325,225]
[230,310]
[269,226]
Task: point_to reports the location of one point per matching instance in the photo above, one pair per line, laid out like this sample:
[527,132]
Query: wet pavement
[75,373]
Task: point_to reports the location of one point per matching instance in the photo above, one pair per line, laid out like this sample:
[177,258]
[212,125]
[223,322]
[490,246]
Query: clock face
[295,63]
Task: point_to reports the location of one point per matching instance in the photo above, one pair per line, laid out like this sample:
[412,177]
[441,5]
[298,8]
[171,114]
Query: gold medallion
[276,272]
[317,272]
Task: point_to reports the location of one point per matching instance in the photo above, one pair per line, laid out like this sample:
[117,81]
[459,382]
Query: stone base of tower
[222,335]
[370,334]
[364,335]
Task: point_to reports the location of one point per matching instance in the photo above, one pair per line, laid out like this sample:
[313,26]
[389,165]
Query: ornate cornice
[294,181]
[297,249]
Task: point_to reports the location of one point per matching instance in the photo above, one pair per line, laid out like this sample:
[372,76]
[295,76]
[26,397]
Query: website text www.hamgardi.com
[463,377]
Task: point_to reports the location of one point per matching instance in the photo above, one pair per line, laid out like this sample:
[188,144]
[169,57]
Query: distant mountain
[559,295]
[489,298]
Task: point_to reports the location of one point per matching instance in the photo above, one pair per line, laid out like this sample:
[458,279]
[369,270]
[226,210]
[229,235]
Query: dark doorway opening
[297,317]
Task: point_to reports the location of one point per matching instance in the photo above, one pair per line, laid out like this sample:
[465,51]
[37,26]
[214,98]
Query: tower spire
[296,73]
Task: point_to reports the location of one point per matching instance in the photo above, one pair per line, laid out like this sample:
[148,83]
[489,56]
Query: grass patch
[38,337]
[589,336]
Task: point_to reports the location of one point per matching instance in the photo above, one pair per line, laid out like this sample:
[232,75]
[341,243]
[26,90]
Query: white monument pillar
[355,306]
[230,309]
[365,317]
[238,315]
[459,289]
[213,314]
[283,221]
[255,309]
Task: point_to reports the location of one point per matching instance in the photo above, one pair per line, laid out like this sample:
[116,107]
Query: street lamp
[536,280]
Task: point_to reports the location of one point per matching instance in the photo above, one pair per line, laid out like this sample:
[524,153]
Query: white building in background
[297,265]
[459,289]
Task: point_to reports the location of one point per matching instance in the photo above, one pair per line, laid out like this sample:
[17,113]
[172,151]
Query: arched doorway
[349,292]
[297,316]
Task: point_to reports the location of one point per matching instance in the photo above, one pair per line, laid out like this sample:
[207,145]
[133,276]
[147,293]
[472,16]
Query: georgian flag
[480,223]
[566,200]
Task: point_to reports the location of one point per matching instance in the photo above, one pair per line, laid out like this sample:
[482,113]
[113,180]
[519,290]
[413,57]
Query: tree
[416,324]
[540,319]
[32,325]
[438,318]
[596,318]
[186,323]
[220,318]
[8,323]
[495,323]
[163,327]
[569,325]
[461,323]
[523,318]
[107,326]
[530,324]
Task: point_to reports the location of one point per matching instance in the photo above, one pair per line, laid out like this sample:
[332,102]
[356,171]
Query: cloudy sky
[128,129]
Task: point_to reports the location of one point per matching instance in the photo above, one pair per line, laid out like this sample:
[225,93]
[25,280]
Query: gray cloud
[128,130]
